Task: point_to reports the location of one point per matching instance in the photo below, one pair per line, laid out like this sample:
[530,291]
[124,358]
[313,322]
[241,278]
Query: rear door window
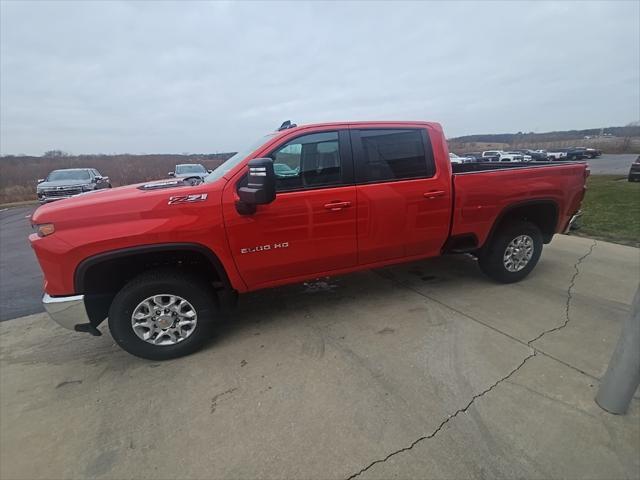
[389,154]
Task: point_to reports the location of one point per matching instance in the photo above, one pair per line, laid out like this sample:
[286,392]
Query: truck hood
[117,204]
[63,183]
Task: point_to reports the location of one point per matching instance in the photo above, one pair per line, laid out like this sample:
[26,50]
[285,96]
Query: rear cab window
[384,155]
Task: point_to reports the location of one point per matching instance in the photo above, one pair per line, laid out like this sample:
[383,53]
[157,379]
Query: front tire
[162,314]
[513,252]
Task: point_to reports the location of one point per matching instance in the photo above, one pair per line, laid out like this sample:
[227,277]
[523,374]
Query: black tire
[491,258]
[159,282]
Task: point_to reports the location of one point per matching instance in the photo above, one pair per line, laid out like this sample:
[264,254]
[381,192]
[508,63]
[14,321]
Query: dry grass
[19,175]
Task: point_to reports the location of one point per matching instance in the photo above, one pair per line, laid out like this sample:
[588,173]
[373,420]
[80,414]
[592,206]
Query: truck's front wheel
[513,252]
[162,314]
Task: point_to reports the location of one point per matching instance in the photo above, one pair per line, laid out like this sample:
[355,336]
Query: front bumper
[68,312]
[43,199]
[572,222]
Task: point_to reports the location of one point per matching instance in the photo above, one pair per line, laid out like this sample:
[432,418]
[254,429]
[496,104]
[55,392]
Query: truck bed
[482,192]
[486,166]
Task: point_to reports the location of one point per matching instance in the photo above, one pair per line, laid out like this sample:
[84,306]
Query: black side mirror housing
[261,185]
[171,174]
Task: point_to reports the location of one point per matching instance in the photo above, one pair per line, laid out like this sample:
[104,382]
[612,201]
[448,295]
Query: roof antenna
[287,124]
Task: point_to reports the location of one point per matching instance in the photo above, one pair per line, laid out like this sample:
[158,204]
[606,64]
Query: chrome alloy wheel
[518,253]
[164,319]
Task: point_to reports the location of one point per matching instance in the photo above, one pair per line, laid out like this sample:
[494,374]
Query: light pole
[623,375]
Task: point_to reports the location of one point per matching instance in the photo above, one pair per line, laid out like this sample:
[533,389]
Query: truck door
[404,202]
[310,228]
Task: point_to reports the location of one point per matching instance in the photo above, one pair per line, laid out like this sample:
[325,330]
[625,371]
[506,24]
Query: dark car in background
[70,182]
[190,170]
[634,171]
[580,153]
[592,152]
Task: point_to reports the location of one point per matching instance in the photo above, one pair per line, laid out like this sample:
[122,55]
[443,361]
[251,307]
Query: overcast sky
[200,77]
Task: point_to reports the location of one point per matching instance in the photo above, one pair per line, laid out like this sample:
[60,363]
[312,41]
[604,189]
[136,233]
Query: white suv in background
[556,155]
[504,156]
[453,158]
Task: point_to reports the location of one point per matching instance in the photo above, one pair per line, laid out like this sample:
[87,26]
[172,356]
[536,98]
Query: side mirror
[261,186]
[172,174]
[40,180]
[97,179]
[209,171]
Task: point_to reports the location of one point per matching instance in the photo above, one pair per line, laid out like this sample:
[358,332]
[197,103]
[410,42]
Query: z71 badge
[265,248]
[198,197]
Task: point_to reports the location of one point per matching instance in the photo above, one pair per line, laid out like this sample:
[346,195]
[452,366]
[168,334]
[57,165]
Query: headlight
[45,229]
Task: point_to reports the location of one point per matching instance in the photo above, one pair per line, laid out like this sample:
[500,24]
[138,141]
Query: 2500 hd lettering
[160,259]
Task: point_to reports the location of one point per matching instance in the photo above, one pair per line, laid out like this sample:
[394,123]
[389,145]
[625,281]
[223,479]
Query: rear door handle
[337,206]
[434,194]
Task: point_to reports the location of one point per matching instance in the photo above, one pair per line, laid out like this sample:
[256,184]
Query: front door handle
[434,194]
[337,206]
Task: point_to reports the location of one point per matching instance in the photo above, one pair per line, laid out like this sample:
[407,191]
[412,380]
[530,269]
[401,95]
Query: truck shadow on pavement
[319,302]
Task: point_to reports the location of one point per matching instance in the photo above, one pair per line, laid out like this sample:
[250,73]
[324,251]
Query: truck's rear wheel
[514,251]
[162,314]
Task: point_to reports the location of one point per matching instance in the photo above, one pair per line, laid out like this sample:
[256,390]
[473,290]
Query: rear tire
[174,314]
[513,252]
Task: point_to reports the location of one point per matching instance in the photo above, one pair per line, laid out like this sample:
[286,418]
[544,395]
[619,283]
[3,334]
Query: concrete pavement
[422,370]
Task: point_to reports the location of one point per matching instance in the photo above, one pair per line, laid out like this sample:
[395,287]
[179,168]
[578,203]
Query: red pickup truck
[160,259]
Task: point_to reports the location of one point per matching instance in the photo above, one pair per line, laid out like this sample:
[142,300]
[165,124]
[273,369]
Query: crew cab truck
[160,260]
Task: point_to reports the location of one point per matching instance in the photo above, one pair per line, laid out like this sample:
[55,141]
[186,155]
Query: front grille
[63,192]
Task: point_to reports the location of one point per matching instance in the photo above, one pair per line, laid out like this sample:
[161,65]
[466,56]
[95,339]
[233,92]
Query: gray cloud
[91,77]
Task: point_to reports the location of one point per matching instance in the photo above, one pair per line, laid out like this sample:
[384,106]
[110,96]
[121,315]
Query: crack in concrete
[572,284]
[487,390]
[445,421]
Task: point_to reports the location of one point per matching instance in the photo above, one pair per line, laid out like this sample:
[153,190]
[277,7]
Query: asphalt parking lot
[610,164]
[424,370]
[20,277]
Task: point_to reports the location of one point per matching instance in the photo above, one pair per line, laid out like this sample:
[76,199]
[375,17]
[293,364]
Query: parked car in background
[501,156]
[634,171]
[189,170]
[534,155]
[556,154]
[479,158]
[580,153]
[70,182]
[571,153]
[593,152]
[453,158]
[577,153]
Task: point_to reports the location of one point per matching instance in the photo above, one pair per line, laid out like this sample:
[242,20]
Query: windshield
[197,168]
[57,175]
[236,159]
